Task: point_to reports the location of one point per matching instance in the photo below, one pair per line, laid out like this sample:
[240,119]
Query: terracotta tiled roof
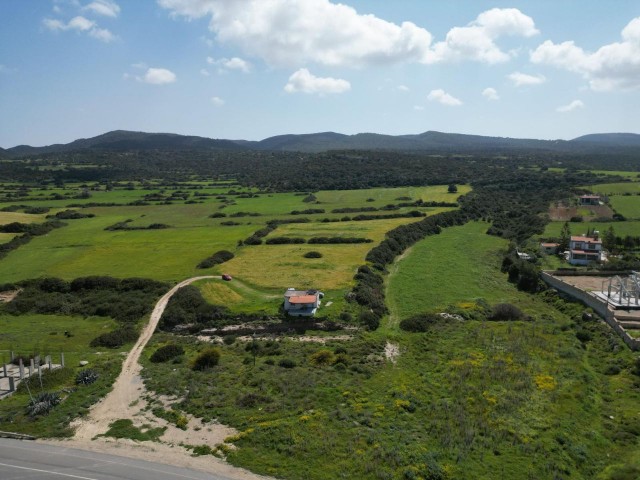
[586,252]
[585,239]
[550,244]
[303,299]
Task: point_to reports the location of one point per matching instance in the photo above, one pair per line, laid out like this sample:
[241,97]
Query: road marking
[68,475]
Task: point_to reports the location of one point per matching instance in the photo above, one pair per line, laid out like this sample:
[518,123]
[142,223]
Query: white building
[584,250]
[302,303]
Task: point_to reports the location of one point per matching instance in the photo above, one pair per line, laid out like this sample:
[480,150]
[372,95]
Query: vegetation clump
[116,338]
[206,359]
[43,403]
[217,258]
[87,376]
[166,353]
[505,311]
[420,323]
[312,254]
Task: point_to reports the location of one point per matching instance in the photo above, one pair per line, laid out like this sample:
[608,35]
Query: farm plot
[621,229]
[615,188]
[84,248]
[459,265]
[626,205]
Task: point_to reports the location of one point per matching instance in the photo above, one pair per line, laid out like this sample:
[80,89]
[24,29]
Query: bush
[322,357]
[216,259]
[287,363]
[209,358]
[420,323]
[86,377]
[370,320]
[166,353]
[43,403]
[312,254]
[505,311]
[115,339]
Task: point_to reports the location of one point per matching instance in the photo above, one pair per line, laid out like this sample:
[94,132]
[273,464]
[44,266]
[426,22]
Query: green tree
[565,237]
[453,188]
[609,239]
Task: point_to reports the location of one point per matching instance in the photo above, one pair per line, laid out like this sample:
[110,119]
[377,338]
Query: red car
[226,277]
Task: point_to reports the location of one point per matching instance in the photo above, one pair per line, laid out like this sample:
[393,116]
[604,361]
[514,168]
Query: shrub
[209,358]
[115,339]
[229,339]
[216,259]
[322,357]
[584,336]
[369,319]
[43,403]
[167,352]
[505,311]
[86,377]
[287,363]
[312,254]
[251,400]
[420,323]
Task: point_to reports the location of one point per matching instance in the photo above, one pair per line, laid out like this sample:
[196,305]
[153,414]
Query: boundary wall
[590,300]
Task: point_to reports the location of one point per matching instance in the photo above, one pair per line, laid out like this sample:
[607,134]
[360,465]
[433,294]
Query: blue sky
[250,69]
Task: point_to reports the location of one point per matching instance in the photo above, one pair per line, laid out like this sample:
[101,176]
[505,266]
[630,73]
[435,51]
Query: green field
[621,228]
[10,217]
[615,188]
[459,265]
[84,248]
[626,205]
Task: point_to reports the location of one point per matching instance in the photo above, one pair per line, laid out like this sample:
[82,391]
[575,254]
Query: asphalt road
[26,460]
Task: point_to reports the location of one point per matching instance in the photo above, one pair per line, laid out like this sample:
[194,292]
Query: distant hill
[432,141]
[123,140]
[424,141]
[620,139]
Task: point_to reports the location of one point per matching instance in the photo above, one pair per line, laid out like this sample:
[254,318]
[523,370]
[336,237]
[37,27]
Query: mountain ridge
[123,140]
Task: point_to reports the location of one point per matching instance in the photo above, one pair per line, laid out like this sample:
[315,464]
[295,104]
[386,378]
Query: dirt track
[126,401]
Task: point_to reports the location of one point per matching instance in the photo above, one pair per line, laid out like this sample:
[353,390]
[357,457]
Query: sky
[251,69]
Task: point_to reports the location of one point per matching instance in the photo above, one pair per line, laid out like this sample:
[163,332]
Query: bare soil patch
[9,295]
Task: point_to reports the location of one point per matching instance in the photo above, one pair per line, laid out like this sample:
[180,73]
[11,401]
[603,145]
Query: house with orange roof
[302,303]
[584,250]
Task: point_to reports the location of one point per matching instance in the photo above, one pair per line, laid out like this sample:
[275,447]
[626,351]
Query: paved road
[25,460]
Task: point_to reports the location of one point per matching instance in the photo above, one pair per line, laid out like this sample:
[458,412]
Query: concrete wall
[598,306]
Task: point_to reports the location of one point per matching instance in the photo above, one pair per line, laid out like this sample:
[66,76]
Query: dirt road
[126,401]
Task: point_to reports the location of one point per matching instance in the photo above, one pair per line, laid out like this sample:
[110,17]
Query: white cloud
[102,34]
[476,41]
[287,33]
[402,88]
[236,63]
[522,79]
[204,72]
[576,104]
[444,98]
[217,101]
[615,66]
[226,64]
[490,94]
[106,8]
[80,24]
[418,108]
[158,76]
[303,81]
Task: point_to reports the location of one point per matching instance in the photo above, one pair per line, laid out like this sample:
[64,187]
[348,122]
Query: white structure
[590,200]
[302,303]
[584,250]
[622,292]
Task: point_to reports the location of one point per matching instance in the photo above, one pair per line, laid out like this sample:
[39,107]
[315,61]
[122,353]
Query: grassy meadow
[456,266]
[622,229]
[45,335]
[629,206]
[616,188]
